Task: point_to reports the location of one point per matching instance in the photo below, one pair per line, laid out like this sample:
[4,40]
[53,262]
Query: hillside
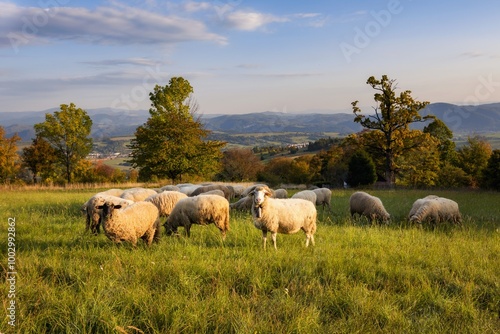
[114,122]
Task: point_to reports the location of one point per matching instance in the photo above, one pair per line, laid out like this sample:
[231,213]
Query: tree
[473,157]
[39,157]
[491,174]
[9,159]
[67,131]
[390,124]
[240,164]
[361,170]
[171,142]
[441,132]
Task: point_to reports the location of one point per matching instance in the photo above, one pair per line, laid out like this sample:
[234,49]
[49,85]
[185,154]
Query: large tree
[240,164]
[172,141]
[473,158]
[67,131]
[39,157]
[9,159]
[390,135]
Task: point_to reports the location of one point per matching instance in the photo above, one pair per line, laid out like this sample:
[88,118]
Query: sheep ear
[100,207]
[119,206]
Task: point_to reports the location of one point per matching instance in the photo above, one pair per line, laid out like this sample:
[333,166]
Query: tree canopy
[9,164]
[67,131]
[171,142]
[390,135]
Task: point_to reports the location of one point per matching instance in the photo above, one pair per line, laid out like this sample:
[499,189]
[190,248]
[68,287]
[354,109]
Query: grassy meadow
[358,278]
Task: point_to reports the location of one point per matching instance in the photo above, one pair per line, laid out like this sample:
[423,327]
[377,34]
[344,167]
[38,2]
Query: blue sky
[245,56]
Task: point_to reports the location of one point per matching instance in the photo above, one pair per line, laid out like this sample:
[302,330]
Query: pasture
[358,278]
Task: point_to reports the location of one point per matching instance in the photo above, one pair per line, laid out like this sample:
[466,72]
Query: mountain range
[109,122]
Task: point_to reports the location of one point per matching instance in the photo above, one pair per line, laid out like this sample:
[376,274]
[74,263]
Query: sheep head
[259,196]
[107,208]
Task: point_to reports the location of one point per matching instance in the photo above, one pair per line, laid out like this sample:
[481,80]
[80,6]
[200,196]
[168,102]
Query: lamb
[369,206]
[137,194]
[285,216]
[139,220]
[202,210]
[308,195]
[323,197]
[437,210]
[165,201]
[93,214]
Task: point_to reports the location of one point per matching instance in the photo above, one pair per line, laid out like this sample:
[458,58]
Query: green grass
[357,279]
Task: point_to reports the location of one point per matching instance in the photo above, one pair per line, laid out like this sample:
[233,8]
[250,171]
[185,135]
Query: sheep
[369,206]
[202,210]
[285,216]
[169,188]
[93,214]
[113,192]
[238,190]
[139,220]
[203,189]
[416,205]
[308,195]
[249,189]
[187,188]
[165,201]
[213,192]
[137,194]
[323,197]
[280,193]
[437,209]
[243,204]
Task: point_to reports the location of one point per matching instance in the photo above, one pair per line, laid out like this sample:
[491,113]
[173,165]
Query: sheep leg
[264,238]
[309,237]
[273,237]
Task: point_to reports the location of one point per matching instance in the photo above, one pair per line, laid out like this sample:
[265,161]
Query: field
[358,278]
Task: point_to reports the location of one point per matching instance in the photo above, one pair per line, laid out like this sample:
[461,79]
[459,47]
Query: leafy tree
[491,174]
[171,142]
[276,171]
[420,166]
[9,159]
[473,158]
[441,132]
[450,176]
[39,157]
[361,170]
[240,164]
[67,131]
[390,124]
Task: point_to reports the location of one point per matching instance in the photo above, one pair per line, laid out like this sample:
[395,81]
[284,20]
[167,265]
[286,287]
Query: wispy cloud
[116,25]
[249,21]
[125,61]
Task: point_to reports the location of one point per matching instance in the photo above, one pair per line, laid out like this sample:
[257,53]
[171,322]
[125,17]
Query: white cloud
[250,21]
[118,25]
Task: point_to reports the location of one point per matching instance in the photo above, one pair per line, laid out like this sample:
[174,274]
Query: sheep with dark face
[93,214]
[139,220]
[284,216]
[202,210]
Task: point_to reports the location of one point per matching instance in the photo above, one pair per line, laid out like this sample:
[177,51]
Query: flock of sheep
[132,214]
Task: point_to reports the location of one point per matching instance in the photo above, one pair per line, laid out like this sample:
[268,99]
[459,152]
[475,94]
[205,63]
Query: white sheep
[323,197]
[203,189]
[213,192]
[187,188]
[369,206]
[285,216]
[418,203]
[238,190]
[280,193]
[93,214]
[308,195]
[169,188]
[437,210]
[139,220]
[165,201]
[137,194]
[202,210]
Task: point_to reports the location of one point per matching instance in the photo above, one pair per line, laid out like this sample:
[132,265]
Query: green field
[358,278]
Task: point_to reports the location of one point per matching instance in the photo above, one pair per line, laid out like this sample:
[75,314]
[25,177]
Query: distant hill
[109,122]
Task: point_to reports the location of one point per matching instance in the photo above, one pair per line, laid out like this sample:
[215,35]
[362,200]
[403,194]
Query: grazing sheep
[187,188]
[93,214]
[323,197]
[214,192]
[202,210]
[249,189]
[113,192]
[203,189]
[285,216]
[308,195]
[280,193]
[437,210]
[369,206]
[243,204]
[139,220]
[165,201]
[137,194]
[418,203]
[238,190]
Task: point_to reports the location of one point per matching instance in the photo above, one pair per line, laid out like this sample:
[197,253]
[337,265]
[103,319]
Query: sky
[245,56]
